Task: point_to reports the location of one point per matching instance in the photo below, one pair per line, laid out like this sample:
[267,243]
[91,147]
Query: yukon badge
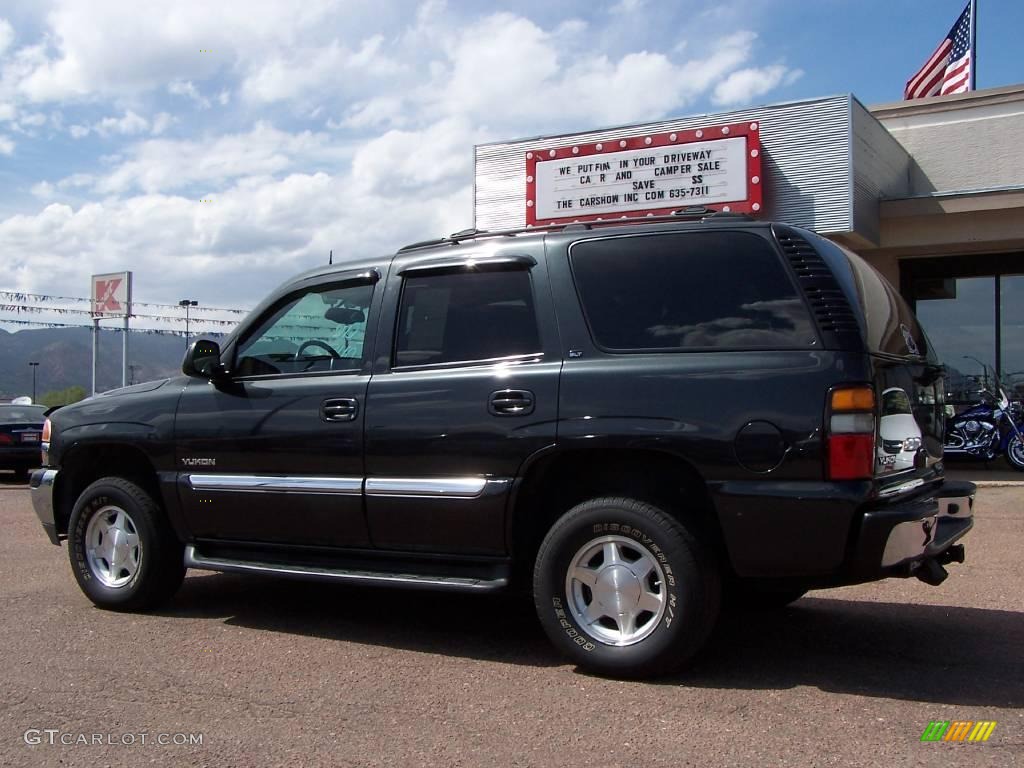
[908,337]
[195,462]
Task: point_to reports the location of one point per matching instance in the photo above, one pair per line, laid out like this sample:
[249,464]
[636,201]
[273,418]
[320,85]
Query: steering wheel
[317,343]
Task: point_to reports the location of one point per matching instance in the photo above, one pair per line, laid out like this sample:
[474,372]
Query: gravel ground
[283,673]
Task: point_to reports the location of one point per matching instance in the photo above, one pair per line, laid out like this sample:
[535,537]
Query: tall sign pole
[124,339]
[95,345]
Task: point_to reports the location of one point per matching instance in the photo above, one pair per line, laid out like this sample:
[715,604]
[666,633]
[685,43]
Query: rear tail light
[851,433]
[5,439]
[44,443]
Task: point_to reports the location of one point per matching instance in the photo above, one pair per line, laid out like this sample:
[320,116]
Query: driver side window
[316,330]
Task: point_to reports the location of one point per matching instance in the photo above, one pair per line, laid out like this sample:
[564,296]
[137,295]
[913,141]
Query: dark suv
[634,419]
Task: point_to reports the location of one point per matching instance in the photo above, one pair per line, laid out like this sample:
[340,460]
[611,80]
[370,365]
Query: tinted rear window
[22,412]
[714,290]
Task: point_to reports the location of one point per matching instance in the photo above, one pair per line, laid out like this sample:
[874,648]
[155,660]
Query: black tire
[21,474]
[160,567]
[1015,453]
[691,587]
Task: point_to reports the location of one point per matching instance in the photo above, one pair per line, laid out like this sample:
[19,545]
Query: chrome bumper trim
[459,487]
[41,484]
[910,540]
[193,559]
[272,484]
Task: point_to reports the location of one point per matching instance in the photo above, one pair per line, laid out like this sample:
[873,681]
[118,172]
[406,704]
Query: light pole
[34,366]
[187,304]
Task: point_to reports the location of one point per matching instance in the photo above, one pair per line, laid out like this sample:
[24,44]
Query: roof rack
[700,213]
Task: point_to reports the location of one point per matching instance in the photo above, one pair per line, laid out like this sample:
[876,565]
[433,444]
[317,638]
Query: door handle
[511,402]
[339,409]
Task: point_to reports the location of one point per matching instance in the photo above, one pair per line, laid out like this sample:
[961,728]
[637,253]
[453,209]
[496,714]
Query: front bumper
[41,486]
[897,539]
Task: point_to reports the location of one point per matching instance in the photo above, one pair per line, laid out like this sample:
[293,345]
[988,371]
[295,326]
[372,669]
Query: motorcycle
[987,429]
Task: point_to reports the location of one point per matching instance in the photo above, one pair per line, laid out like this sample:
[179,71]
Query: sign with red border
[717,167]
[112,294]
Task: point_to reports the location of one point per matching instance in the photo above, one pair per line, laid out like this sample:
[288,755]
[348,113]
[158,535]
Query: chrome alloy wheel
[112,547]
[616,590]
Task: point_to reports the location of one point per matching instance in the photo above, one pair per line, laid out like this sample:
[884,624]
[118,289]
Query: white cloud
[188,89]
[404,98]
[161,123]
[298,72]
[129,123]
[627,7]
[163,165]
[100,47]
[404,162]
[743,85]
[44,190]
[6,35]
[262,230]
[6,146]
[34,119]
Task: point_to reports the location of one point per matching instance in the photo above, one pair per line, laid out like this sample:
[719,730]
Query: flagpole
[974,43]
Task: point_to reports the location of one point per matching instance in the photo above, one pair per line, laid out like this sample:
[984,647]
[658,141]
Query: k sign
[112,295]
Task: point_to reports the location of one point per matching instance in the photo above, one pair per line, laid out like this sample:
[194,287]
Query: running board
[194,559]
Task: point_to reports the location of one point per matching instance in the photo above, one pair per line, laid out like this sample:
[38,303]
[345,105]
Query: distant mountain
[65,359]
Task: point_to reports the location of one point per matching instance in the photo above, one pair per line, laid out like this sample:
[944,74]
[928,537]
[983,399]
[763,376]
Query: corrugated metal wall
[881,170]
[807,158]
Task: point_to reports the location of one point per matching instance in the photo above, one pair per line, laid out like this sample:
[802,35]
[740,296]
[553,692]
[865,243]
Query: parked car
[627,420]
[21,428]
[900,444]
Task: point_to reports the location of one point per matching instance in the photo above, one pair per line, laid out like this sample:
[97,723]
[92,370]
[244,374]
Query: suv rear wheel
[624,589]
[122,550]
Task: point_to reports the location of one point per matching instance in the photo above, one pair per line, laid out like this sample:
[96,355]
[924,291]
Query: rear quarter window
[689,291]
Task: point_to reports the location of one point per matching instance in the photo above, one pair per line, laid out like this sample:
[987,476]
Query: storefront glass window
[1011,292]
[958,314]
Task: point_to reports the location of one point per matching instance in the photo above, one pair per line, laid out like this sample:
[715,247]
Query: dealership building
[930,191]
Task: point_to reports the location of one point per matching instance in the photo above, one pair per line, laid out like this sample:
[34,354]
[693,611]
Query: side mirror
[202,360]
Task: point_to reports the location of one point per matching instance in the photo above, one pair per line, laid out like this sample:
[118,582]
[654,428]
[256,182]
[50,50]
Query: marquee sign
[112,294]
[718,167]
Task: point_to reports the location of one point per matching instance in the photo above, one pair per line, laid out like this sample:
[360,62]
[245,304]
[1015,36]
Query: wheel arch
[556,481]
[85,463]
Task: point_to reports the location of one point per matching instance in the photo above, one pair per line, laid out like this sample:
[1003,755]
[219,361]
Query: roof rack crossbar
[697,212]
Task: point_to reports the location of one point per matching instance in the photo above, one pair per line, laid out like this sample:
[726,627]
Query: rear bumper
[41,485]
[19,456]
[897,539]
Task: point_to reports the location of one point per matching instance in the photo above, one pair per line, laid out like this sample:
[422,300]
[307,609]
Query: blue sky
[349,125]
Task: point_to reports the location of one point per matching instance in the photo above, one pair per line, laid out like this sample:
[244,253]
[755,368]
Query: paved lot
[283,673]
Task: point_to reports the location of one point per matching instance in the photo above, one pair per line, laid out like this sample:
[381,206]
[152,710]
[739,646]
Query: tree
[62,396]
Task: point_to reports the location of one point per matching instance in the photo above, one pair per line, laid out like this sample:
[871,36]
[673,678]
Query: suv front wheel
[122,549]
[625,589]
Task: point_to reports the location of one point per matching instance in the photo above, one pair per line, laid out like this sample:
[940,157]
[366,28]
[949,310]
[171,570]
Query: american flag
[948,70]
